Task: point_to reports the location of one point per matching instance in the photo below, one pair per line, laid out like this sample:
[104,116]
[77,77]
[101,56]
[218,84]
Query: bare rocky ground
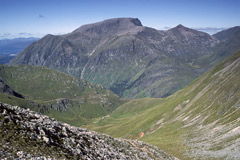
[26,134]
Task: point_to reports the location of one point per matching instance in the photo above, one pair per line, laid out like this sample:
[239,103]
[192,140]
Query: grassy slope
[49,87]
[200,121]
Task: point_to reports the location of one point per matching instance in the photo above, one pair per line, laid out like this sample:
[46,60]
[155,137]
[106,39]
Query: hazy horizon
[28,18]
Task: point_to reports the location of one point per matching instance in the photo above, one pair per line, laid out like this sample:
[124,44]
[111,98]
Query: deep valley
[158,94]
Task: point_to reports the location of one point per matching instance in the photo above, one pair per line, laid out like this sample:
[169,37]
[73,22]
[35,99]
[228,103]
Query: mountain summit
[180,26]
[110,27]
[190,33]
[130,59]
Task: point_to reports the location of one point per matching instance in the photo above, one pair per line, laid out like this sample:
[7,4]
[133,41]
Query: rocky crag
[26,134]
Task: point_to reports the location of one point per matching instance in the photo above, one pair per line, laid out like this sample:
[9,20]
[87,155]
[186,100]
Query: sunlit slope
[57,94]
[201,121]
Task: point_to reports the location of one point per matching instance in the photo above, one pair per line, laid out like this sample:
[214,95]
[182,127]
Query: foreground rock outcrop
[25,134]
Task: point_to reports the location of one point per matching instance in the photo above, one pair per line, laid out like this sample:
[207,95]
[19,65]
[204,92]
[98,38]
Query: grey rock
[62,141]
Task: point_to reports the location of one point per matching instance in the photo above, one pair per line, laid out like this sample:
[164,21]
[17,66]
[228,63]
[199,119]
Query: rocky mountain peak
[190,35]
[181,28]
[110,27]
[49,35]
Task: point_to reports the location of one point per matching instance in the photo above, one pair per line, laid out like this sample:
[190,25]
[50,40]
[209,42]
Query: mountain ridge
[225,33]
[131,60]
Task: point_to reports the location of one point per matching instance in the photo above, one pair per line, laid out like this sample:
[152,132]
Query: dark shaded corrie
[4,88]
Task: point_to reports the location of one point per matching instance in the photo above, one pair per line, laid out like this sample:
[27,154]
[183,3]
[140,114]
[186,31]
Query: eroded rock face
[26,134]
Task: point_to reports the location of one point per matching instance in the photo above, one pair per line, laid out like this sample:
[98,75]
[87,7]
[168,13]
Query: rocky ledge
[26,134]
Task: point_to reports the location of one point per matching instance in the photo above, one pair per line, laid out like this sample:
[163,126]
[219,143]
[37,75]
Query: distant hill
[56,94]
[16,45]
[11,47]
[5,58]
[199,122]
[128,58]
[229,41]
[228,33]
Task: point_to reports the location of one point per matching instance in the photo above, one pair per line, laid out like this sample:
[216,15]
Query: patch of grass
[136,76]
[170,123]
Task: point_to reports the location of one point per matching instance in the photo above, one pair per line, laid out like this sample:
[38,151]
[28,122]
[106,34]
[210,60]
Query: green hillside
[57,94]
[198,122]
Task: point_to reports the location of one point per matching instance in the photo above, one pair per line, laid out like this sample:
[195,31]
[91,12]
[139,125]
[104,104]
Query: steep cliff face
[128,58]
[28,135]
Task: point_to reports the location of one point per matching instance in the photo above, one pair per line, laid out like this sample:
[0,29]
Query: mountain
[230,39]
[199,122]
[28,135]
[228,33]
[128,58]
[56,94]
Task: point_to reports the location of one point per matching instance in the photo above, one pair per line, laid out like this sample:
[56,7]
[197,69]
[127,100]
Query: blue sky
[39,17]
